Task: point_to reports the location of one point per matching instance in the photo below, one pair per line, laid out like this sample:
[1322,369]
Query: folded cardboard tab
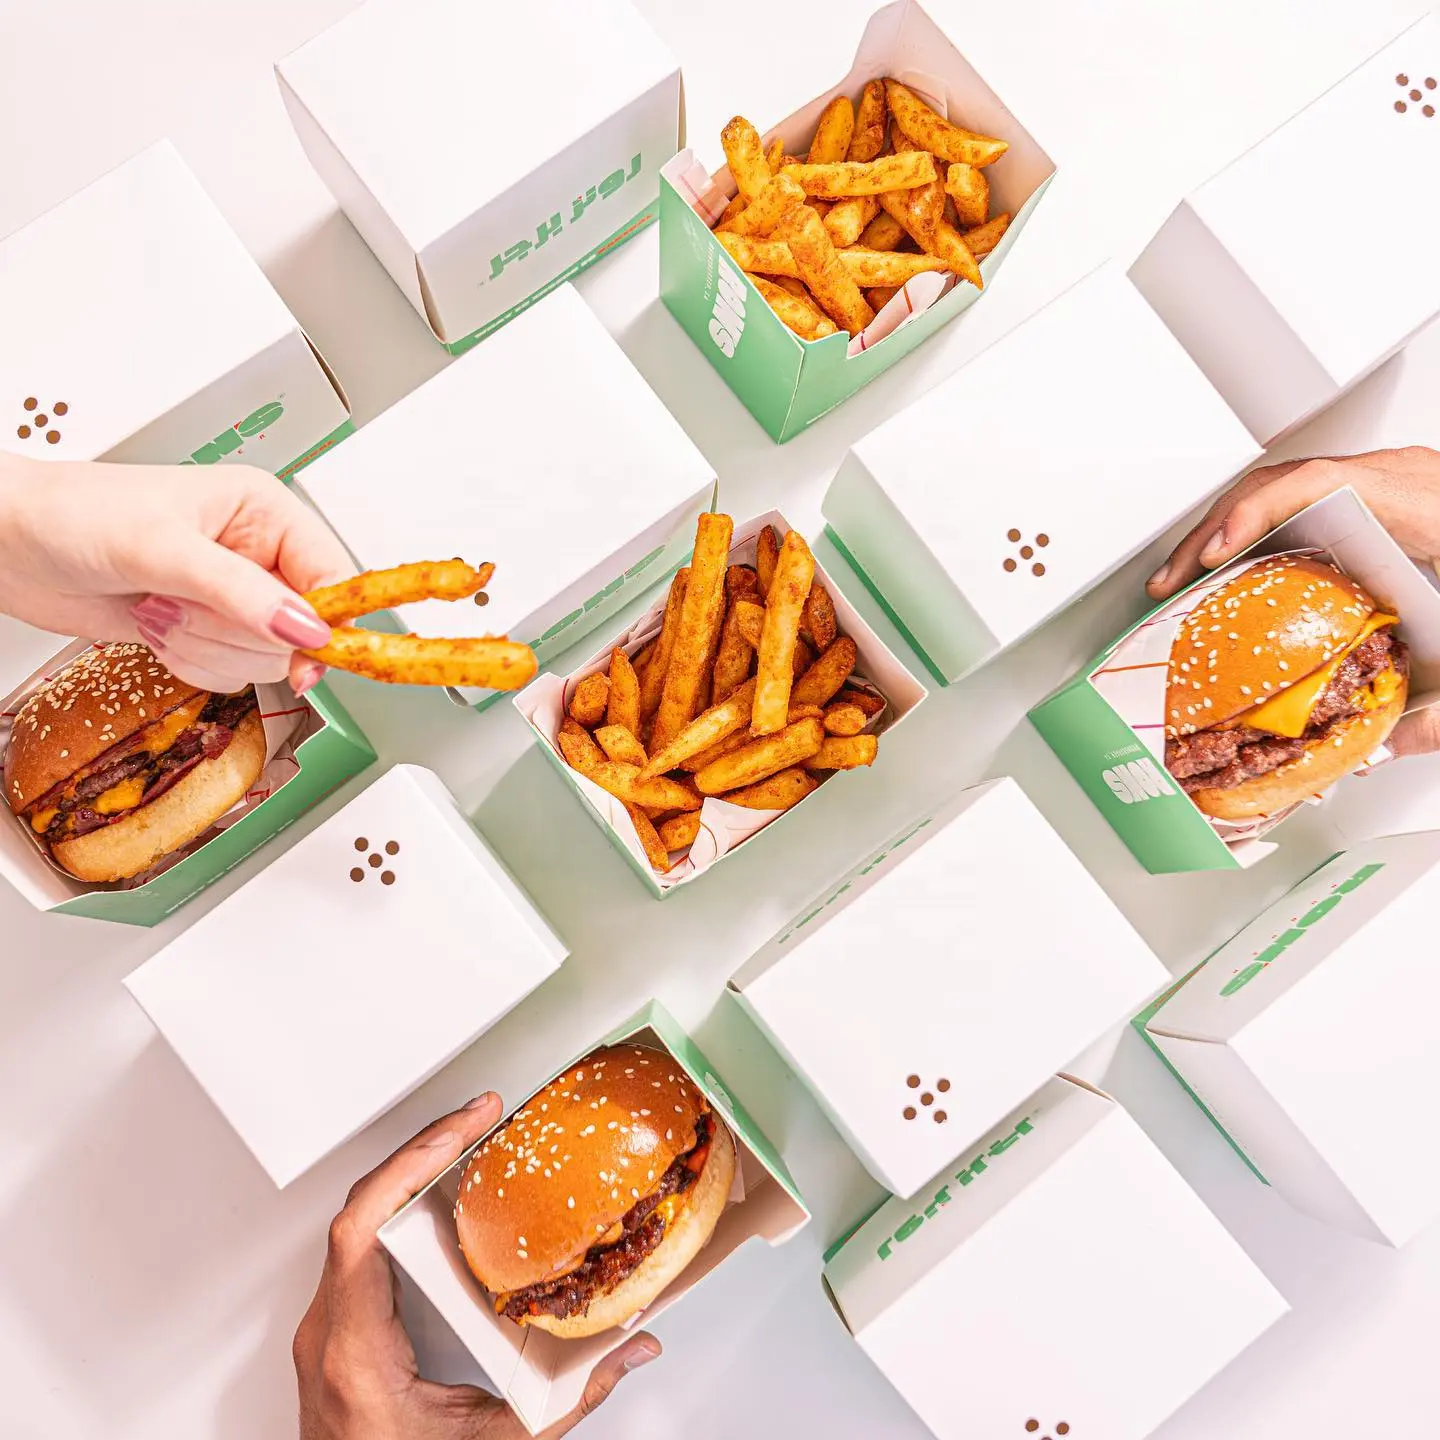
[335,981]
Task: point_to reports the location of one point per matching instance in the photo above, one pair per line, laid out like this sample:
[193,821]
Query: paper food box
[1307,1039]
[1108,724]
[1246,273]
[723,826]
[312,747]
[540,1375]
[138,328]
[1063,1271]
[583,488]
[486,153]
[347,964]
[787,383]
[1049,510]
[982,1017]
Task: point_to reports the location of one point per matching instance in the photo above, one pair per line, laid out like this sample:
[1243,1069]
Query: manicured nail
[642,1354]
[307,678]
[1158,578]
[154,641]
[1214,547]
[480,1101]
[160,614]
[297,624]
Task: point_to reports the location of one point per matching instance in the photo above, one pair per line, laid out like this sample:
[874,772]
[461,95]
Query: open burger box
[1049,509]
[581,486]
[138,328]
[1108,724]
[787,383]
[1061,1280]
[486,153]
[1308,1039]
[312,747]
[1247,271]
[541,1375]
[980,1019]
[395,885]
[723,827]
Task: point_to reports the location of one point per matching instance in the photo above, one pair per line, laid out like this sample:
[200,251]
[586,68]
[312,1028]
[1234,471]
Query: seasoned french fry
[984,238]
[724,747]
[798,713]
[775,155]
[620,744]
[865,701]
[970,191]
[846,219]
[653,683]
[820,268]
[761,758]
[578,747]
[779,792]
[879,296]
[833,132]
[769,207]
[845,720]
[927,227]
[655,851]
[869,177]
[716,724]
[932,132]
[590,701]
[698,631]
[763,257]
[818,624]
[798,315]
[746,157]
[767,551]
[741,582]
[784,604]
[404,585]
[623,707]
[819,684]
[750,620]
[735,207]
[482,664]
[792,286]
[641,660]
[886,267]
[884,232]
[623,782]
[868,139]
[844,752]
[679,832]
[735,655]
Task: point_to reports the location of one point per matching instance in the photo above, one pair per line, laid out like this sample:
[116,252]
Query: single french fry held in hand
[716,724]
[590,700]
[778,197]
[970,190]
[775,657]
[374,590]
[767,551]
[820,683]
[866,701]
[844,752]
[464,663]
[886,267]
[620,744]
[884,232]
[578,747]
[623,782]
[931,131]
[761,758]
[653,683]
[623,707]
[845,720]
[847,219]
[868,139]
[984,238]
[779,792]
[833,132]
[746,157]
[655,851]
[818,622]
[843,178]
[679,832]
[820,268]
[798,315]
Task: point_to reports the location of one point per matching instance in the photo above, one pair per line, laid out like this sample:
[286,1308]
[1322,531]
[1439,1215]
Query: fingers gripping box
[543,1376]
[1061,1280]
[581,486]
[335,981]
[787,383]
[486,153]
[1049,509]
[138,328]
[1308,1039]
[980,1016]
[1247,273]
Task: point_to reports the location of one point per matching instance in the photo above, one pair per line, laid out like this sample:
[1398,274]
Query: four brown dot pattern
[927,1099]
[1415,93]
[1031,1426]
[38,422]
[375,860]
[1027,552]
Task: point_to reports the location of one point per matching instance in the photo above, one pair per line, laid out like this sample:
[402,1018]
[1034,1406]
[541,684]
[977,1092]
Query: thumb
[1418,733]
[1257,512]
[634,1353]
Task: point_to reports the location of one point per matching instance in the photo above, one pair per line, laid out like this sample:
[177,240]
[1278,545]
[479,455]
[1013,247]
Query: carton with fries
[751,684]
[833,244]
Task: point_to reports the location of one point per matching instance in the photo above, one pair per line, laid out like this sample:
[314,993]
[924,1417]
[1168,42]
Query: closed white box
[1062,1280]
[1309,1039]
[1011,961]
[545,452]
[138,328]
[347,972]
[1031,474]
[487,152]
[1250,272]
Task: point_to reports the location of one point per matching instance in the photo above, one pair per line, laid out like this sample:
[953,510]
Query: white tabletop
[150,1275]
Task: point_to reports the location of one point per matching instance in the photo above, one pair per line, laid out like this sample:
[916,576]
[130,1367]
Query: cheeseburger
[114,763]
[1281,681]
[596,1193]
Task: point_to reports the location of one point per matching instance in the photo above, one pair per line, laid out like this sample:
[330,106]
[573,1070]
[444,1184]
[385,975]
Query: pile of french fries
[889,190]
[746,694]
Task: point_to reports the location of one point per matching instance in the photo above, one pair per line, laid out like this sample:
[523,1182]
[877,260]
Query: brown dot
[1026,552]
[1042,541]
[392,847]
[43,420]
[362,844]
[909,1112]
[481,598]
[1037,568]
[1012,535]
[53,436]
[927,1098]
[1062,1428]
[1009,566]
[941,1117]
[1402,79]
[1032,1426]
[32,403]
[375,862]
[23,432]
[1430,83]
[61,408]
[1428,112]
[942,1086]
[913,1082]
[357,874]
[387,877]
[1401,107]
[1416,95]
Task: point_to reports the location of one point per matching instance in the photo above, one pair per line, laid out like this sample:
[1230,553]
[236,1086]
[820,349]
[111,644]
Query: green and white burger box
[1246,271]
[1050,507]
[787,383]
[138,328]
[486,153]
[1108,724]
[542,1376]
[312,748]
[379,979]
[580,485]
[1308,1039]
[723,827]
[983,1016]
[1062,1279]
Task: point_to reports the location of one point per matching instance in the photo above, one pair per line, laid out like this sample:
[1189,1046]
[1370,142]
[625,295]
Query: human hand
[355,1364]
[202,566]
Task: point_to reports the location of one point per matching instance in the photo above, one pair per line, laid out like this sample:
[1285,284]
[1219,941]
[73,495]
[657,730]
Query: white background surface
[150,1277]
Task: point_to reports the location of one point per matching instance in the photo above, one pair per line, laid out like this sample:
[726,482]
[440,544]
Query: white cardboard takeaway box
[983,1009]
[487,152]
[976,518]
[545,452]
[1247,272]
[138,328]
[346,973]
[1064,1280]
[1309,1039]
[540,1375]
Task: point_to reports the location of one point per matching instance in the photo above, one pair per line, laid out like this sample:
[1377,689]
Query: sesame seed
[570,1202]
[522,1254]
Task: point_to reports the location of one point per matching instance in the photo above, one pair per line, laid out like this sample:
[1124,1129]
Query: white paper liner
[288,722]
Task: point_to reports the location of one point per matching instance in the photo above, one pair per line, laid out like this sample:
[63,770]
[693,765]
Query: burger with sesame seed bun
[114,763]
[596,1193]
[1281,681]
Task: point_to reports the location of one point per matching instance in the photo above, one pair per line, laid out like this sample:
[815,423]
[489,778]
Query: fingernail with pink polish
[295,623]
[160,614]
[307,678]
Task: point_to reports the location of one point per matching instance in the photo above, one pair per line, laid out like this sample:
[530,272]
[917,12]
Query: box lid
[341,976]
[1014,961]
[404,91]
[1065,1270]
